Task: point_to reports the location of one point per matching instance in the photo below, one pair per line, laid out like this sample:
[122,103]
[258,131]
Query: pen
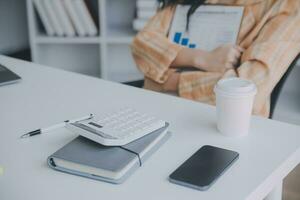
[55,126]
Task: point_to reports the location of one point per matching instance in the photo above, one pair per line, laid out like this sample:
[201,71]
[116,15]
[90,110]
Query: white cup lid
[236,87]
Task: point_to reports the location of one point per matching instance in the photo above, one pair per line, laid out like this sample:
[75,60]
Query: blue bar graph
[177,37]
[192,46]
[184,41]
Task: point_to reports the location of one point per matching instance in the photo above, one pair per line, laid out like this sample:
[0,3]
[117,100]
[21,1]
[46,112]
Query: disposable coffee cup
[234,102]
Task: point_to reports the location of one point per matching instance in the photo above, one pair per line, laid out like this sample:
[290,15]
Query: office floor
[291,185]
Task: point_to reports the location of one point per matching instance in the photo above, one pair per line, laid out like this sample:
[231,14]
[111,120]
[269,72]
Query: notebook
[86,158]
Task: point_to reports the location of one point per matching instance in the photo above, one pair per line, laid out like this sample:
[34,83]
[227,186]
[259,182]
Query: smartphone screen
[203,168]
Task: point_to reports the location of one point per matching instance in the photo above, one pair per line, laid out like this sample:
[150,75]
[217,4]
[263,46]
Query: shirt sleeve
[199,85]
[264,62]
[152,50]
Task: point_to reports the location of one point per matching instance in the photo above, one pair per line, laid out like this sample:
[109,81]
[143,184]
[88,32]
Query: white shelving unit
[107,55]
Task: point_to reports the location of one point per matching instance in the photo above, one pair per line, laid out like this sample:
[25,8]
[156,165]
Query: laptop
[7,76]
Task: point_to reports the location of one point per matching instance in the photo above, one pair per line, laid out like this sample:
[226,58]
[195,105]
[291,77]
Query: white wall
[13,26]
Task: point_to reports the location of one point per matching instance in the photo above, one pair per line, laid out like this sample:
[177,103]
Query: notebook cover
[86,152]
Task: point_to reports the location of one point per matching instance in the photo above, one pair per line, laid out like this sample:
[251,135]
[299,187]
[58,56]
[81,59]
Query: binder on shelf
[53,17]
[85,17]
[86,158]
[63,18]
[72,11]
[41,11]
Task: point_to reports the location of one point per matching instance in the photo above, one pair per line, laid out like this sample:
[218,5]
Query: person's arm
[154,53]
[275,46]
[171,84]
[207,61]
[218,60]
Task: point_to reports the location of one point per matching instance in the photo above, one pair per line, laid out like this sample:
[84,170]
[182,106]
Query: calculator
[117,128]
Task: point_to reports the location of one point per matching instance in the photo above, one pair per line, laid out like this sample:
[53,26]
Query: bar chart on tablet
[184,41]
[208,28]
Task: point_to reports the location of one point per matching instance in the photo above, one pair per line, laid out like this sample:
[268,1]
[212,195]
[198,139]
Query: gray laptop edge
[7,76]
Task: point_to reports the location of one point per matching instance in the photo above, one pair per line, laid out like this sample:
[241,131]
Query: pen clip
[32,133]
[90,117]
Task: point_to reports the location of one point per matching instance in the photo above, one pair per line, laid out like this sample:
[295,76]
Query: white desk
[47,96]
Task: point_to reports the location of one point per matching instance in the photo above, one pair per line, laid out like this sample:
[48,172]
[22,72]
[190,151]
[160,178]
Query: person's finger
[240,49]
[229,65]
[234,59]
[237,54]
[235,62]
[232,56]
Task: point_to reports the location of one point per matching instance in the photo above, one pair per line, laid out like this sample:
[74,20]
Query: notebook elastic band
[137,154]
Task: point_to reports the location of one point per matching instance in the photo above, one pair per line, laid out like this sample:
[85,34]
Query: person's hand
[220,59]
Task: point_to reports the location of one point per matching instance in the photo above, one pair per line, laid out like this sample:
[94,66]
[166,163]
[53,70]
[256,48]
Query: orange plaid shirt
[269,33]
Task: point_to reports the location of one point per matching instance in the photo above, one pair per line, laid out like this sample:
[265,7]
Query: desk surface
[47,96]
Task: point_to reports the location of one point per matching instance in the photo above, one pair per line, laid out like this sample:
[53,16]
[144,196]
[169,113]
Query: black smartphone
[204,167]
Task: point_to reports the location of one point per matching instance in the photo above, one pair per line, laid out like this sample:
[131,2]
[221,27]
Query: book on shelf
[64,19]
[78,24]
[68,17]
[85,17]
[53,17]
[93,9]
[41,11]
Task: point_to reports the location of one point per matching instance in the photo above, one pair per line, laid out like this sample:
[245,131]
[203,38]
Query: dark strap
[137,154]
